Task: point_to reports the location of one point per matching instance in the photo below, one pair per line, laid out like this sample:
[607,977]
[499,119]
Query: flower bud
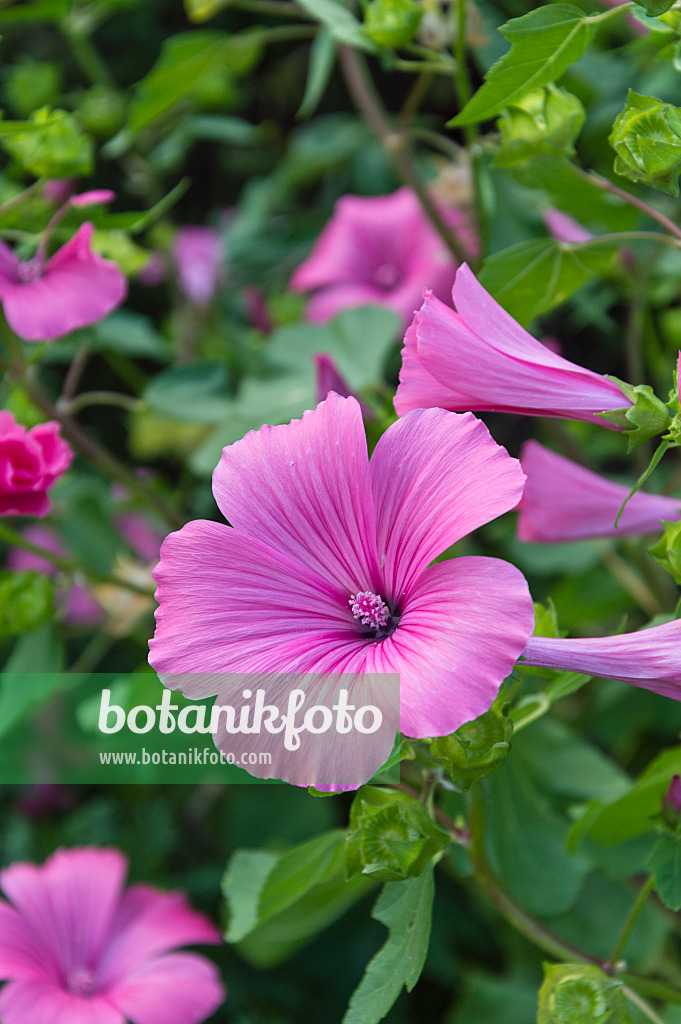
[574,993]
[478,748]
[647,139]
[392,22]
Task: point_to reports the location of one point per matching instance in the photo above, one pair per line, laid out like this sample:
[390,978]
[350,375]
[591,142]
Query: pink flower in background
[154,270]
[329,377]
[30,462]
[650,658]
[198,256]
[563,501]
[381,250]
[325,567]
[58,190]
[77,948]
[565,228]
[480,358]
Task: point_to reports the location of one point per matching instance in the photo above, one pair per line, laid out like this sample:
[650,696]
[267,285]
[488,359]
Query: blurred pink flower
[672,797]
[480,358]
[563,501]
[154,270]
[381,250]
[76,948]
[565,228]
[650,658]
[198,256]
[256,309]
[58,190]
[30,462]
[329,377]
[327,564]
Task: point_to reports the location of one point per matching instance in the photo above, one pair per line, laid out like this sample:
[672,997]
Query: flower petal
[22,953]
[436,476]
[181,988]
[462,630]
[304,488]
[327,302]
[39,1002]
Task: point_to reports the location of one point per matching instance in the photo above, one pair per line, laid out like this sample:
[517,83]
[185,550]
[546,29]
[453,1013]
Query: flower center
[30,270]
[81,982]
[387,276]
[370,609]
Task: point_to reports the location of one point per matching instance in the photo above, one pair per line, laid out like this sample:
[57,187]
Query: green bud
[647,139]
[26,601]
[645,418]
[102,111]
[58,149]
[32,84]
[667,551]
[392,22]
[391,836]
[546,121]
[575,994]
[478,748]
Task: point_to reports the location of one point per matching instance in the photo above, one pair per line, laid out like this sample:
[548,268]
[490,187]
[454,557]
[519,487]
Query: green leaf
[26,601]
[53,146]
[191,394]
[530,278]
[322,58]
[203,10]
[31,675]
[405,908]
[646,137]
[664,863]
[544,43]
[341,23]
[131,334]
[654,8]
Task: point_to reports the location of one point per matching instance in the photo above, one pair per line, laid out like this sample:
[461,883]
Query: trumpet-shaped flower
[326,567]
[76,948]
[30,462]
[479,358]
[563,501]
[650,658]
[381,250]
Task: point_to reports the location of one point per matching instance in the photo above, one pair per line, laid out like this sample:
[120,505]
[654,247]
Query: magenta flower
[30,462]
[480,358]
[327,564]
[75,948]
[45,298]
[650,658]
[198,256]
[565,228]
[672,799]
[381,250]
[563,501]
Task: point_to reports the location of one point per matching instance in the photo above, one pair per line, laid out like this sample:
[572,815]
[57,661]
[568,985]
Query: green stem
[88,57]
[645,1007]
[464,91]
[277,8]
[607,186]
[87,398]
[20,199]
[655,989]
[629,924]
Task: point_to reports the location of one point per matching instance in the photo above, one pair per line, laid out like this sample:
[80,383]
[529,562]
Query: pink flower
[30,462]
[650,658]
[329,377]
[480,358]
[672,798]
[563,501]
[75,948]
[327,564]
[44,299]
[198,255]
[565,228]
[381,250]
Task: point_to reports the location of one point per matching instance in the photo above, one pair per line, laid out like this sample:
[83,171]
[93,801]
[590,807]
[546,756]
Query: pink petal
[182,988]
[421,389]
[40,1002]
[22,952]
[565,228]
[198,255]
[329,377]
[24,503]
[77,288]
[436,477]
[9,265]
[329,301]
[563,501]
[70,901]
[650,658]
[304,488]
[94,197]
[464,624]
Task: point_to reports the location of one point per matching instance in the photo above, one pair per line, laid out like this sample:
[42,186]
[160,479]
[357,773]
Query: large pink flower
[30,462]
[381,250]
[75,948]
[563,501]
[326,567]
[650,658]
[44,299]
[480,358]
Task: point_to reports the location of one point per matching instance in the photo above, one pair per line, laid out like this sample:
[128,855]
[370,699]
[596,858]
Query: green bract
[547,121]
[667,551]
[392,22]
[647,416]
[478,748]
[647,139]
[391,836]
[575,994]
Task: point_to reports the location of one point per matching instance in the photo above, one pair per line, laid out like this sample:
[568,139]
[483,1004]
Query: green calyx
[479,747]
[646,137]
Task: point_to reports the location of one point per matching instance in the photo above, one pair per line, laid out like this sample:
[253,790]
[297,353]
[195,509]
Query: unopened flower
[479,358]
[672,799]
[379,250]
[563,501]
[650,658]
[565,228]
[30,462]
[326,567]
[75,603]
[77,948]
[198,256]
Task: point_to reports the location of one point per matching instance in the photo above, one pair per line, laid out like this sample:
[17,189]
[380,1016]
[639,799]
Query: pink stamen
[370,609]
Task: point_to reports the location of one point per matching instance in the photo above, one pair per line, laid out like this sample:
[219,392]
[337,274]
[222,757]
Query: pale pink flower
[480,358]
[650,658]
[563,501]
[326,567]
[78,948]
[198,256]
[379,250]
[565,228]
[30,462]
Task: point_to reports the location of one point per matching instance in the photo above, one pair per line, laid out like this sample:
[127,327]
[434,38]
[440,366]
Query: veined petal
[181,988]
[304,489]
[22,953]
[421,389]
[436,476]
[462,630]
[42,1002]
[327,302]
